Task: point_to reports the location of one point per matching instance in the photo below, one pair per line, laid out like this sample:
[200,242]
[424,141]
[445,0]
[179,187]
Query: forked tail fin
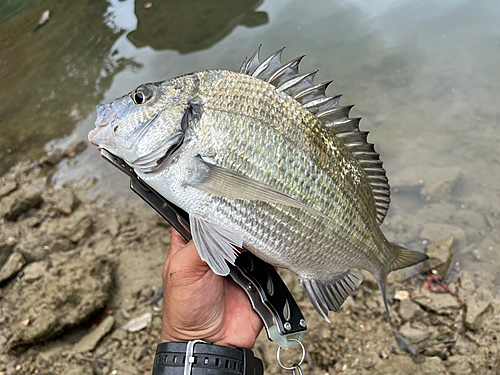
[406,258]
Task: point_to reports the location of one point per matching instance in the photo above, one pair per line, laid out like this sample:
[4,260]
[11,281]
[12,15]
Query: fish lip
[92,134]
[106,114]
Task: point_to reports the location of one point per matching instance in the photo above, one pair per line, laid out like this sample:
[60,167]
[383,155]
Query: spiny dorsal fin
[335,117]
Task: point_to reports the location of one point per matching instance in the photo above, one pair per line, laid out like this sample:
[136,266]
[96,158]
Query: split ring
[295,365]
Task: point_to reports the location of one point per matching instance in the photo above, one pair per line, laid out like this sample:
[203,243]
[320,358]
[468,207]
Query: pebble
[408,310]
[139,323]
[35,271]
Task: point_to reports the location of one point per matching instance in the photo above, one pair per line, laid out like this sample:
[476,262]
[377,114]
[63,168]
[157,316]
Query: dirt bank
[73,273]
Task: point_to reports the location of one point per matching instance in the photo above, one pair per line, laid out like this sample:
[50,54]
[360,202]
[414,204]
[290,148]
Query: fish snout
[105,115]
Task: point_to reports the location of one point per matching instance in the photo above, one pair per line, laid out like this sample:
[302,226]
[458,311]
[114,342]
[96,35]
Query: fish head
[143,126]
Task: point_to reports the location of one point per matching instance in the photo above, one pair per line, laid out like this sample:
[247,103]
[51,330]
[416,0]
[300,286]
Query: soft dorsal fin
[327,109]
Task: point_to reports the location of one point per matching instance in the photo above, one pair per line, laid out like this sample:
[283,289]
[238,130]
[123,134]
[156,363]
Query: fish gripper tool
[268,294]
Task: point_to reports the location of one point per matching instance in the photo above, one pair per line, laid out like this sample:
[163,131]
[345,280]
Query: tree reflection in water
[188,26]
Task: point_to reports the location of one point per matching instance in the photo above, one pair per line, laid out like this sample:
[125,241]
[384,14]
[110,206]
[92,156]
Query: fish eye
[142,94]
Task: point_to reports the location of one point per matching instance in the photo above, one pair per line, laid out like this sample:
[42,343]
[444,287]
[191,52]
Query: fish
[263,159]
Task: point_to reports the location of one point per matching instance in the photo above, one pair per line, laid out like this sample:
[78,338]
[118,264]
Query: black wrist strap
[205,359]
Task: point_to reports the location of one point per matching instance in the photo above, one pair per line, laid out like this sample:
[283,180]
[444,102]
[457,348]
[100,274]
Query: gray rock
[15,262]
[68,295]
[476,308]
[119,334]
[113,226]
[436,183]
[6,248]
[32,246]
[64,200]
[52,352]
[7,187]
[409,310]
[35,271]
[60,244]
[433,366]
[138,352]
[397,365]
[12,206]
[440,303]
[414,335]
[460,365]
[464,346]
[74,227]
[90,340]
[79,370]
[440,254]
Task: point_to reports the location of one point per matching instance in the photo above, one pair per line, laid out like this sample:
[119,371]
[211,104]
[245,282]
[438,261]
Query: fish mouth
[106,114]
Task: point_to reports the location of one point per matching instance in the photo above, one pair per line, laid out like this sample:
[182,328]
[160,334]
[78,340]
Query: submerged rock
[436,231]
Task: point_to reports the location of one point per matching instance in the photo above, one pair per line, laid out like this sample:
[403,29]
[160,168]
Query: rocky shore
[76,279]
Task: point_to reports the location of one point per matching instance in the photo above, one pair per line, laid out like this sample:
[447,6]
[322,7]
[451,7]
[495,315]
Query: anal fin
[329,296]
[216,245]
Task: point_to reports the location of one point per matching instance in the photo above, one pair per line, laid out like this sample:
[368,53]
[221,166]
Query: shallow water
[425,77]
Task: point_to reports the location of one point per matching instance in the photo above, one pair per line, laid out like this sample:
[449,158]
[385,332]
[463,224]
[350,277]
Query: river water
[425,77]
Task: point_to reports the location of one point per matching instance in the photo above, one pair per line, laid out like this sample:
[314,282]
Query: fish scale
[263,159]
[234,146]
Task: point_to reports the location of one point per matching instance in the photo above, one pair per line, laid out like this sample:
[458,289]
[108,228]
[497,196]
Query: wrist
[198,357]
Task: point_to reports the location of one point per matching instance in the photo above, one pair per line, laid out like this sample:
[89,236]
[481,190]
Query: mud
[73,273]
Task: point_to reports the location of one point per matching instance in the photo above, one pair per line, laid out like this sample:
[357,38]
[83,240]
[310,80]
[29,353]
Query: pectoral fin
[215,244]
[234,185]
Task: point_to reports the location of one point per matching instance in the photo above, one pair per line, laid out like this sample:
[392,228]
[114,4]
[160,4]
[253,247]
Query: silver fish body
[255,166]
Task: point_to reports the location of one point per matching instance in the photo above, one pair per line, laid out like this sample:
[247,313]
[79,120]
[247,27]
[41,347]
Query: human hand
[199,304]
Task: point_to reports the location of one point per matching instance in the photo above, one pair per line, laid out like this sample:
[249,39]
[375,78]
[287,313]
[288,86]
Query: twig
[441,284]
[85,359]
